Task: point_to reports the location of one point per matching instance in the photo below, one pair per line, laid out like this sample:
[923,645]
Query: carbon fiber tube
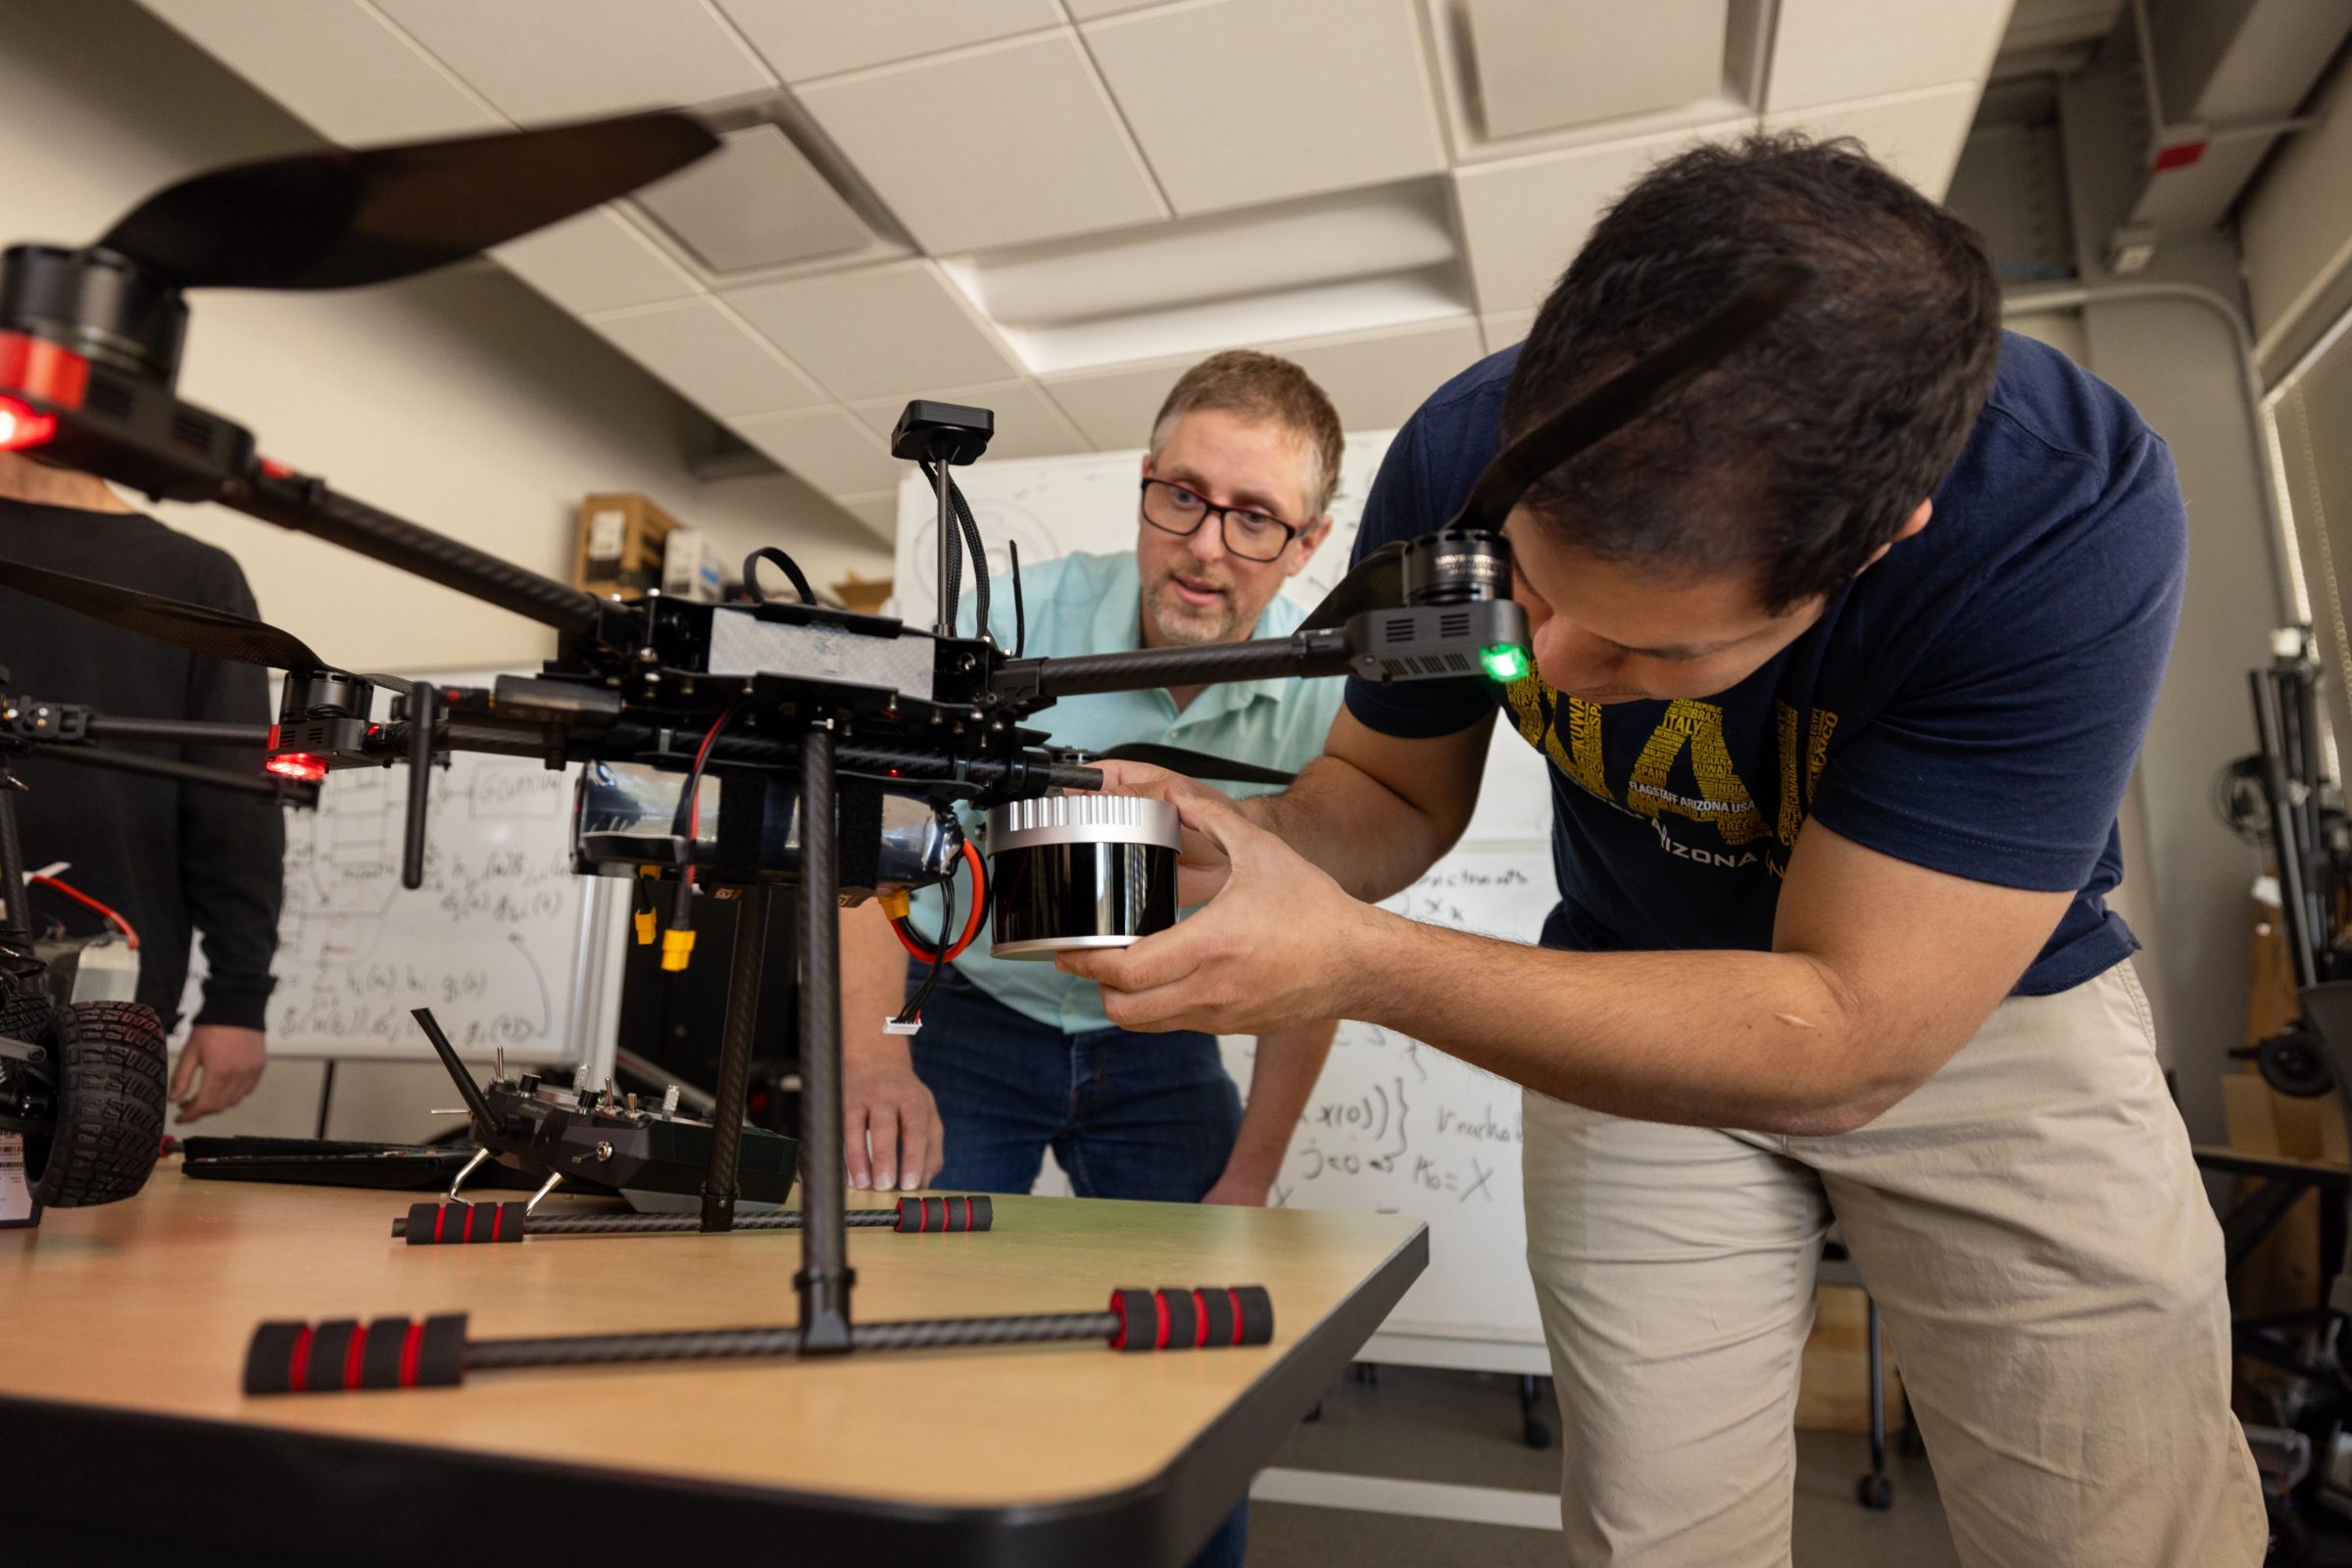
[1305,653]
[16,920]
[735,1058]
[307,506]
[220,778]
[788,1219]
[713,1344]
[176,732]
[824,1278]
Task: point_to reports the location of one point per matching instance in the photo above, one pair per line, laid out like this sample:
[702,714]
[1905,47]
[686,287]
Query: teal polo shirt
[1082,604]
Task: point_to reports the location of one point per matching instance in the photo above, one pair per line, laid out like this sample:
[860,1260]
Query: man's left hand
[1238,1190]
[1275,948]
[231,1062]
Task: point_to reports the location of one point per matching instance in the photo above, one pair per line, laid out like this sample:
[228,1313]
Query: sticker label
[15,1193]
[605,532]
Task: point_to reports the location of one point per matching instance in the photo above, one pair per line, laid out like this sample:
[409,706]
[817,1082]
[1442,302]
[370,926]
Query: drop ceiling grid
[546,60]
[1338,94]
[613,266]
[805,41]
[999,144]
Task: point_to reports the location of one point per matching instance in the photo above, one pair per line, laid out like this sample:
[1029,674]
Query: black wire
[791,568]
[913,1009]
[1020,612]
[681,826]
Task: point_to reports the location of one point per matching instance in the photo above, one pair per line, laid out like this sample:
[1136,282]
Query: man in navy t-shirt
[1844,655]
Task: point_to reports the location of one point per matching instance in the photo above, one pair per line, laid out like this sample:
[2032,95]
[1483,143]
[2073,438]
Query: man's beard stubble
[1193,625]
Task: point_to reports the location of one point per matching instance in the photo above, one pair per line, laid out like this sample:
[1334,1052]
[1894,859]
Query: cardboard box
[621,544]
[691,569]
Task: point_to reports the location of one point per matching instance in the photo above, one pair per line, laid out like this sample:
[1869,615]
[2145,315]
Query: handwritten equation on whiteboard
[489,942]
[1399,1126]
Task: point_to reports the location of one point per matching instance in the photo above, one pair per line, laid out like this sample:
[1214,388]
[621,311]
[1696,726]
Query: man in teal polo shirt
[1015,1058]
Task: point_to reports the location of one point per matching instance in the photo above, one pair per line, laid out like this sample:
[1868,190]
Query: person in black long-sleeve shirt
[170,858]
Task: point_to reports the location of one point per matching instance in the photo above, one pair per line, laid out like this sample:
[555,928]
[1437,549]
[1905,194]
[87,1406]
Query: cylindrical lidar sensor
[1075,872]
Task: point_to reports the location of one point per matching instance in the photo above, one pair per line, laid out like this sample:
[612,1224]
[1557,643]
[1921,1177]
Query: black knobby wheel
[110,1105]
[1875,1492]
[24,1010]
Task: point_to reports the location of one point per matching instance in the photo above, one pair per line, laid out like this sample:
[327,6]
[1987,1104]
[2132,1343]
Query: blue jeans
[1127,1116]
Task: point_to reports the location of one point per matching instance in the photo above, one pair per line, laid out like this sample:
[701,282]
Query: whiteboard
[504,941]
[1394,1125]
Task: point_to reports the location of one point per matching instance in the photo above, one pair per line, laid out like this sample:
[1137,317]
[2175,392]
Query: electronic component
[1073,872]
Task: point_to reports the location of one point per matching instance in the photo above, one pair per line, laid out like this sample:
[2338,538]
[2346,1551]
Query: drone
[726,749]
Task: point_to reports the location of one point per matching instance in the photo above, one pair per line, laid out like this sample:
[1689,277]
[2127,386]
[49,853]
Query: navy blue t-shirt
[1973,703]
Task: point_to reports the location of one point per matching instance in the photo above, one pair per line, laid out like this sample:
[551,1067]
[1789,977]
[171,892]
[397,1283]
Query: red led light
[22,426]
[2180,155]
[298,765]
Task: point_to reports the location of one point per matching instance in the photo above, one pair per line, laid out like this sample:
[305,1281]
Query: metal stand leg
[1874,1489]
[1534,1430]
[825,1276]
[735,1060]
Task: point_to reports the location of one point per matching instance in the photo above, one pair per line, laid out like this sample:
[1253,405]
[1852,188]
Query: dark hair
[1801,454]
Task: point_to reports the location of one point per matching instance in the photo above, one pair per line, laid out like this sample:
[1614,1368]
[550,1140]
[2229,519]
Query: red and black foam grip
[343,1354]
[925,1215]
[443,1224]
[1172,1318]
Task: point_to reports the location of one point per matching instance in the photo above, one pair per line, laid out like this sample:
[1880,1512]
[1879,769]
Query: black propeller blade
[1377,582]
[339,218]
[197,628]
[1193,764]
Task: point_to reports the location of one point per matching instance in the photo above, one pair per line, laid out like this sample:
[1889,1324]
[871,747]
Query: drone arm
[174,731]
[1321,651]
[307,506]
[293,791]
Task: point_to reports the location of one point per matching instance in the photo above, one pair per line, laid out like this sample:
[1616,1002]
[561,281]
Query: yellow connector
[676,947]
[645,927]
[895,903]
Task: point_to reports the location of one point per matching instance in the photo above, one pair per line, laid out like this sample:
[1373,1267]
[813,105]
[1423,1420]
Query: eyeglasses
[1251,535]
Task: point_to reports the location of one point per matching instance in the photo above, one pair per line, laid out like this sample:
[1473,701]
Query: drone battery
[1070,871]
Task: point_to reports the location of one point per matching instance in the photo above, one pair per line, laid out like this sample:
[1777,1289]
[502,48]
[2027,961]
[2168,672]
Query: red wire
[78,896]
[971,922]
[694,797]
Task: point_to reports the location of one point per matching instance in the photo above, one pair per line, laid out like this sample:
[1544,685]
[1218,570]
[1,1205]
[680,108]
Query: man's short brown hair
[1263,386]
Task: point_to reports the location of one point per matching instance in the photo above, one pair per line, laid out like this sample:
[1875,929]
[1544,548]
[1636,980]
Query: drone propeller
[339,218]
[1192,763]
[198,628]
[1377,582]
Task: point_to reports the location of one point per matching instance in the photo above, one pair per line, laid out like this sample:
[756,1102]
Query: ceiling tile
[1831,51]
[1337,95]
[1547,63]
[710,357]
[334,63]
[541,60]
[1088,10]
[1028,425]
[1376,379]
[1114,407]
[598,260]
[1504,329]
[884,331]
[989,146]
[801,41]
[1522,219]
[1919,136]
[828,447]
[755,203]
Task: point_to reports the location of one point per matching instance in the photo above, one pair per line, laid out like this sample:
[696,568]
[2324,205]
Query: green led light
[1504,661]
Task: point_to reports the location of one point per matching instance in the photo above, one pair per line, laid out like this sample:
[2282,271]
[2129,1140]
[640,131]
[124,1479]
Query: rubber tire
[25,1013]
[109,1112]
[1875,1492]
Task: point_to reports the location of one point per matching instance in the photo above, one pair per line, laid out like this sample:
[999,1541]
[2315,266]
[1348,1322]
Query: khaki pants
[2050,1273]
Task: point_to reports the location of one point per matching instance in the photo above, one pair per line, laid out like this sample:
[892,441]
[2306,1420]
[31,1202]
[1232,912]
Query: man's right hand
[885,1105]
[1200,867]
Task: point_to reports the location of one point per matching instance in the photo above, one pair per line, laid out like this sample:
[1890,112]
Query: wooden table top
[147,1306]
